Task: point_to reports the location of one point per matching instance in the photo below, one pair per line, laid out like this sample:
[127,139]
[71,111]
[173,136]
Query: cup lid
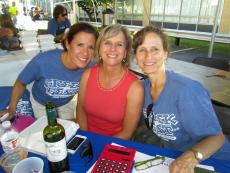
[10,159]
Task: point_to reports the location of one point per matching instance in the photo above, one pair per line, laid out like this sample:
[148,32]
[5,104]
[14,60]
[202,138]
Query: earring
[100,60]
[123,61]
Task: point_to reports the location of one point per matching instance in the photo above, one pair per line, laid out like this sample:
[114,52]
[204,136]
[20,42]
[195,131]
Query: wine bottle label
[56,151]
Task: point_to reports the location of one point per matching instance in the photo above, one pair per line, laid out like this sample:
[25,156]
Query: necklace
[115,86]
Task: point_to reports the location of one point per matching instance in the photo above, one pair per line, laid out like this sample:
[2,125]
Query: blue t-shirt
[23,107]
[52,80]
[56,28]
[183,114]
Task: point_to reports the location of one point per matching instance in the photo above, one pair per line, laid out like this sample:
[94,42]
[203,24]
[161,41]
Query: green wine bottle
[54,137]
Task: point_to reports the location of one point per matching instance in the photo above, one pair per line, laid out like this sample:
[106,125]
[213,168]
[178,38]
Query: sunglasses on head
[64,14]
[148,112]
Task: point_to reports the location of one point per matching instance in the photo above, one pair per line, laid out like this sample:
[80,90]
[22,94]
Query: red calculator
[115,159]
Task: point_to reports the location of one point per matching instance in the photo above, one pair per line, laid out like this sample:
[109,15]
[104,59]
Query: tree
[88,6]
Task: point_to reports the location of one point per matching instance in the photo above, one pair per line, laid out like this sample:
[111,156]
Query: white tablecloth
[12,64]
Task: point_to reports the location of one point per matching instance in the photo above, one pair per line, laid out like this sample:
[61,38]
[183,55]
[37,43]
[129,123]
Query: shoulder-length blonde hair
[110,31]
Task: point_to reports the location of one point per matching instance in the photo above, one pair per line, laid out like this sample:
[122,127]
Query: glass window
[190,11]
[172,11]
[130,12]
[138,9]
[157,10]
[208,9]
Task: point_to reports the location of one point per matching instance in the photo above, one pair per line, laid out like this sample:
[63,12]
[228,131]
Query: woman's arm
[135,99]
[81,118]
[196,108]
[187,161]
[51,29]
[17,93]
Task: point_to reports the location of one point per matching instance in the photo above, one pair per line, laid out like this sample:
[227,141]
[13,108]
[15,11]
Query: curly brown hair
[139,37]
[59,9]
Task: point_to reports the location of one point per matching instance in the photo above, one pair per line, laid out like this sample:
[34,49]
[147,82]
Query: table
[98,142]
[219,88]
[12,64]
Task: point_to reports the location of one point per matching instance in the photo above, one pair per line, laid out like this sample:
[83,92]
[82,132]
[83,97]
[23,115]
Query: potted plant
[89,5]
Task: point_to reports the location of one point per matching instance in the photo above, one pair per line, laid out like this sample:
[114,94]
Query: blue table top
[79,165]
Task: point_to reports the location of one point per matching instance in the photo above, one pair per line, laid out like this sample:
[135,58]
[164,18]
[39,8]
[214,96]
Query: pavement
[188,54]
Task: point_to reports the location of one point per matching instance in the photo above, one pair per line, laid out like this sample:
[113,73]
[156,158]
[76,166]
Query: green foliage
[87,6]
[218,48]
[99,2]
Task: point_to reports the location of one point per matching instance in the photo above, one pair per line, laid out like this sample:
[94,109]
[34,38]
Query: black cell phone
[75,143]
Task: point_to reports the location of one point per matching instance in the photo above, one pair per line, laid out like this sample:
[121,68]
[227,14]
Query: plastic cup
[10,141]
[10,159]
[29,165]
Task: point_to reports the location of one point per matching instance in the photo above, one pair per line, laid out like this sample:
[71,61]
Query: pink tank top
[105,108]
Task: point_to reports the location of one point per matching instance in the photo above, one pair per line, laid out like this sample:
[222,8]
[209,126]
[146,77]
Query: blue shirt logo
[164,125]
[61,89]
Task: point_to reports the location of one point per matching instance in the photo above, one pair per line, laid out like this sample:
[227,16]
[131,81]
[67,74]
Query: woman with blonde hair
[110,97]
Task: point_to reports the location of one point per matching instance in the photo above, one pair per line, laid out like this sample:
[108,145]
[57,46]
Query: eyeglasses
[65,14]
[148,112]
[87,152]
[142,165]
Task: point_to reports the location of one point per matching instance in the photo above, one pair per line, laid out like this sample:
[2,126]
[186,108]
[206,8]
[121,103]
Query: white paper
[32,137]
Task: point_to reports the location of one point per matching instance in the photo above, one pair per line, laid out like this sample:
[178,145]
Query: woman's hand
[184,164]
[5,115]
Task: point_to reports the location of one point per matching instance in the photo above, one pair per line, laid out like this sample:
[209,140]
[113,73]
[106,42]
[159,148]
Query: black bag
[10,43]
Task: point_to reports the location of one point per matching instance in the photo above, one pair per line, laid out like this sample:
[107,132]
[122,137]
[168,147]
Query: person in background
[110,97]
[36,14]
[56,73]
[176,108]
[31,12]
[8,34]
[59,23]
[4,9]
[7,28]
[13,11]
[1,9]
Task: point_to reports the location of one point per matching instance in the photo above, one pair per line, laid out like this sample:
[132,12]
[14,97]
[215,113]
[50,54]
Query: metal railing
[204,36]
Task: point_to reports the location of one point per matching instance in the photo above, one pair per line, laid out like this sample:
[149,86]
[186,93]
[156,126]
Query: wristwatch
[198,155]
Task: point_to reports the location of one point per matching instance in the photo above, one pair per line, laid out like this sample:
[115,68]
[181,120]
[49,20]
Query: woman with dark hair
[56,73]
[7,26]
[8,34]
[59,23]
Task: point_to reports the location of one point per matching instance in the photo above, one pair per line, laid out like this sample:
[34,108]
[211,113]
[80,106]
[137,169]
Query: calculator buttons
[111,166]
[114,159]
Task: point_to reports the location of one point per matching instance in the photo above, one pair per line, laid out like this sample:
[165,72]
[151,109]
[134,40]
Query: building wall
[225,18]
[147,12]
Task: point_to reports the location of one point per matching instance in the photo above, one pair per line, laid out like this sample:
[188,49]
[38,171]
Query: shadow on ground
[188,54]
